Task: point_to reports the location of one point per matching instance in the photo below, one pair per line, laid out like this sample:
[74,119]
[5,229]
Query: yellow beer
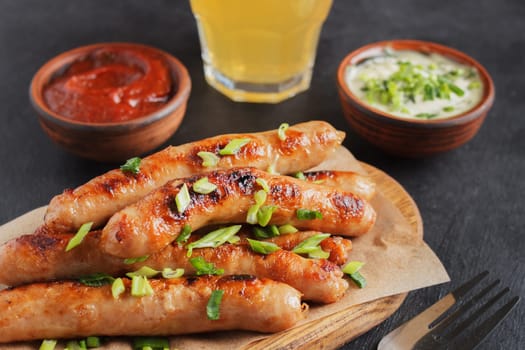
[259,50]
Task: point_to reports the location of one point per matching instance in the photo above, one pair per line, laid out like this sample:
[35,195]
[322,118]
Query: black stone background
[471,199]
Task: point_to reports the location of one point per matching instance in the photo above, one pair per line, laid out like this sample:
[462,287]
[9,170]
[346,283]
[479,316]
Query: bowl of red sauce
[111,101]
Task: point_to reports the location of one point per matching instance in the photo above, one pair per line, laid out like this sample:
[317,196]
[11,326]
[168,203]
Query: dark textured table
[471,199]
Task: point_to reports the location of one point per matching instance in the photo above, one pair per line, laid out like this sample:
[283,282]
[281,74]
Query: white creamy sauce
[383,67]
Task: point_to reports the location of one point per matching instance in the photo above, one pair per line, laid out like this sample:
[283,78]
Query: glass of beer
[259,51]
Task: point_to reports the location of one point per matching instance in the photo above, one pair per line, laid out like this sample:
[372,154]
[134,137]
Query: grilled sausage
[153,222]
[41,257]
[305,145]
[177,306]
[361,185]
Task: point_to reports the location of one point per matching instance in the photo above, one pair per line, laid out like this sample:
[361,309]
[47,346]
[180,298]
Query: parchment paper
[397,260]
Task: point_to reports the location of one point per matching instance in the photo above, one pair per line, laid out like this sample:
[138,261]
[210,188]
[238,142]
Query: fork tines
[442,331]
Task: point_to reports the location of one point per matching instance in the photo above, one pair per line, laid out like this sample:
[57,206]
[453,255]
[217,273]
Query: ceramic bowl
[410,137]
[116,141]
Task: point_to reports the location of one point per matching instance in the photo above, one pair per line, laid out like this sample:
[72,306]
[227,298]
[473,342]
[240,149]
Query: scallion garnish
[262,247]
[263,232]
[202,267]
[153,343]
[299,175]
[311,244]
[214,238]
[132,165]
[130,261]
[169,273]
[96,279]
[251,215]
[184,234]
[92,342]
[233,147]
[281,132]
[213,306]
[76,345]
[260,197]
[318,253]
[352,269]
[117,287]
[287,229]
[140,286]
[264,185]
[307,214]
[208,159]
[143,271]
[264,214]
[448,109]
[48,344]
[79,236]
[182,199]
[426,115]
[203,186]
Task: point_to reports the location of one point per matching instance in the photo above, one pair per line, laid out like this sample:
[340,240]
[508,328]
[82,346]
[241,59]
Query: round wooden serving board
[341,327]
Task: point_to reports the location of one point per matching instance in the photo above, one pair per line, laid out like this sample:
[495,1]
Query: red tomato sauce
[111,85]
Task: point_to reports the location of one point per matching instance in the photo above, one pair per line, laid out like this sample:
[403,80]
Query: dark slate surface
[471,199]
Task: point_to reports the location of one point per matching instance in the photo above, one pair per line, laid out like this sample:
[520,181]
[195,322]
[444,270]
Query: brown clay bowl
[412,138]
[116,141]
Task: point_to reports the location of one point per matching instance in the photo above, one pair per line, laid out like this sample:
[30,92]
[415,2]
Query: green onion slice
[117,288]
[251,215]
[264,214]
[75,345]
[169,273]
[145,271]
[203,186]
[202,267]
[306,214]
[311,244]
[262,247]
[299,175]
[182,199]
[140,286]
[287,229]
[260,197]
[214,238]
[213,306]
[358,279]
[233,147]
[93,342]
[130,261]
[208,159]
[132,165]
[184,235]
[352,267]
[262,232]
[79,236]
[48,344]
[318,253]
[154,343]
[264,185]
[281,132]
[96,279]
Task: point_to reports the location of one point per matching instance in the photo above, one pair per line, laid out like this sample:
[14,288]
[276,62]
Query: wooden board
[334,330]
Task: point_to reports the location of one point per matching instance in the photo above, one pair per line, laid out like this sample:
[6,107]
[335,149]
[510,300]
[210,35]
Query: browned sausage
[361,185]
[305,146]
[178,306]
[41,257]
[153,222]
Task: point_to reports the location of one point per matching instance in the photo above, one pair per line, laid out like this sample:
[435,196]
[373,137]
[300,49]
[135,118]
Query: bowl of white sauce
[414,98]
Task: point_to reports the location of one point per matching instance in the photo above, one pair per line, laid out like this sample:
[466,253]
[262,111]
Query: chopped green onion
[234,239]
[202,267]
[132,165]
[169,273]
[130,261]
[140,286]
[274,230]
[154,343]
[306,214]
[448,109]
[263,247]
[117,288]
[476,84]
[182,199]
[264,185]
[233,147]
[260,197]
[281,132]
[79,236]
[311,244]
[264,215]
[48,344]
[287,229]
[96,279]
[318,253]
[208,159]
[92,342]
[352,269]
[75,345]
[425,115]
[214,238]
[213,306]
[145,271]
[299,175]
[264,232]
[251,215]
[456,89]
[184,235]
[203,186]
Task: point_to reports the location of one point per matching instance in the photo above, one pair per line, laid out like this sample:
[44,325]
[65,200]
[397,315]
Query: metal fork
[432,329]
